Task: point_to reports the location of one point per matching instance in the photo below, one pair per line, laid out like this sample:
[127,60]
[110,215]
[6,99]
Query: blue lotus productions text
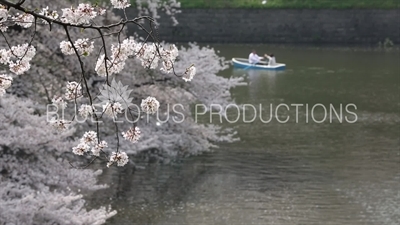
[281,113]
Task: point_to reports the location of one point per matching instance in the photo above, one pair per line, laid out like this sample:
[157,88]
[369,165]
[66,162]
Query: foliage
[386,44]
[37,185]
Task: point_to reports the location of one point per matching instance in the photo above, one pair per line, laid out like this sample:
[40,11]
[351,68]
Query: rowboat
[244,63]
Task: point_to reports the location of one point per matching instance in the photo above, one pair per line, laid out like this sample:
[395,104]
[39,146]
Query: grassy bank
[298,4]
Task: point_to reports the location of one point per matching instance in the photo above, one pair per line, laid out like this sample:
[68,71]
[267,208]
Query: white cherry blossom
[101,66]
[86,110]
[81,148]
[189,73]
[132,135]
[83,46]
[60,124]
[121,158]
[112,109]
[24,20]
[66,48]
[4,56]
[83,14]
[74,90]
[59,102]
[120,4]
[19,67]
[89,138]
[50,14]
[5,82]
[23,52]
[150,105]
[98,148]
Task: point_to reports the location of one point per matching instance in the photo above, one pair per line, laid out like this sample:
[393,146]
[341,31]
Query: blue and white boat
[244,63]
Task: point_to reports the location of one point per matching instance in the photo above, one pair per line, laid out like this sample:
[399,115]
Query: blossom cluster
[168,58]
[121,158]
[5,82]
[86,110]
[24,20]
[132,135]
[150,55]
[112,109]
[50,14]
[60,124]
[189,73]
[59,102]
[74,90]
[83,14]
[18,58]
[120,4]
[82,45]
[119,54]
[150,105]
[89,142]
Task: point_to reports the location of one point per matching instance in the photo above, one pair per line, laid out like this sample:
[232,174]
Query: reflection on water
[263,81]
[285,173]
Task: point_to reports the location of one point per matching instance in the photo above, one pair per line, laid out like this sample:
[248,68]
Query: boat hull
[243,63]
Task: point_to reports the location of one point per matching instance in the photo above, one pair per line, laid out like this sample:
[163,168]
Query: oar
[248,67]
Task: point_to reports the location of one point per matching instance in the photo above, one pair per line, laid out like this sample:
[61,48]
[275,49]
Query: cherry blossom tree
[102,96]
[109,62]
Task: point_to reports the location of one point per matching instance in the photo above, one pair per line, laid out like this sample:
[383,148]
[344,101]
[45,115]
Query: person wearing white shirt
[271,59]
[254,58]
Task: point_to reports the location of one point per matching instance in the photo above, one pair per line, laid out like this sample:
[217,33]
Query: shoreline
[310,46]
[282,26]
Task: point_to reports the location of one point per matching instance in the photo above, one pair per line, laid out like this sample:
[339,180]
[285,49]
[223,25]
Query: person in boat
[254,58]
[271,59]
